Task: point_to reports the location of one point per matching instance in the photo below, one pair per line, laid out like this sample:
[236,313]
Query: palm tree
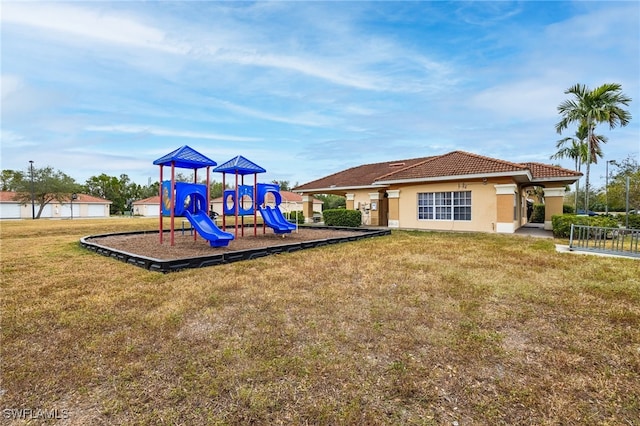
[577,151]
[590,107]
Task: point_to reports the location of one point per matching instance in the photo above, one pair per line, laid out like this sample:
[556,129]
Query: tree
[10,178]
[182,177]
[284,184]
[330,201]
[107,187]
[119,190]
[48,185]
[577,151]
[216,190]
[100,186]
[628,167]
[148,191]
[591,107]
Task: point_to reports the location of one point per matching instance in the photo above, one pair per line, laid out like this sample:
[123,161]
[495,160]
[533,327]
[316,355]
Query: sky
[304,89]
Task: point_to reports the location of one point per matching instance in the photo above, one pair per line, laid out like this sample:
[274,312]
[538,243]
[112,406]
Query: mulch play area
[144,249]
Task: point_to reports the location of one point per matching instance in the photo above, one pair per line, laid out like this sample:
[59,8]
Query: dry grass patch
[413,328]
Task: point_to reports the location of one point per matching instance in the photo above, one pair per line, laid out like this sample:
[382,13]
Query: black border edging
[174,265]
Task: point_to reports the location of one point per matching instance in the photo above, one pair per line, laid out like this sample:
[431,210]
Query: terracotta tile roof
[291,197]
[542,171]
[364,175]
[85,198]
[456,163]
[151,200]
[8,196]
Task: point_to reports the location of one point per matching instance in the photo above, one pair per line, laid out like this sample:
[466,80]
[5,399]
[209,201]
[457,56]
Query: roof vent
[396,164]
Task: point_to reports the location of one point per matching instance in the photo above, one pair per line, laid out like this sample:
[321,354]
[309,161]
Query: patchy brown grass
[413,328]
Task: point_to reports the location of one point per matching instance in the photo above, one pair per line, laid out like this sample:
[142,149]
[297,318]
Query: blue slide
[207,229]
[274,219]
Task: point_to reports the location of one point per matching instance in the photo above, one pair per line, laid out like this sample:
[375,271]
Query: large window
[444,205]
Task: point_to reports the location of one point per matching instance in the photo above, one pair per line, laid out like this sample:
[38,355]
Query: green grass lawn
[411,328]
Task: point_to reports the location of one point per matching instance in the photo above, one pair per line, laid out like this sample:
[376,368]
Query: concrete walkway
[534,230]
[565,249]
[537,230]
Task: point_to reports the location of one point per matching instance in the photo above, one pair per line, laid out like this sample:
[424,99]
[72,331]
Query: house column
[553,202]
[506,205]
[307,208]
[350,198]
[374,212]
[393,195]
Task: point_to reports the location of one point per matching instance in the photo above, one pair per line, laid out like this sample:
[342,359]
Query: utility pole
[33,201]
[626,225]
[606,186]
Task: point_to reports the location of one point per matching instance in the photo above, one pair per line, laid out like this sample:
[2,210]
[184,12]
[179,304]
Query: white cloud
[524,99]
[159,131]
[487,13]
[19,99]
[593,28]
[9,139]
[356,65]
[304,119]
[86,23]
[327,84]
[10,84]
[319,68]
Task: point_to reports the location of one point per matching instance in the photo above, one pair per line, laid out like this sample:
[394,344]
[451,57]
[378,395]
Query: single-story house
[291,202]
[149,207]
[455,191]
[84,206]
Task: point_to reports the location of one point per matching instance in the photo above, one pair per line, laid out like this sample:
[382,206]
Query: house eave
[568,179]
[338,189]
[520,176]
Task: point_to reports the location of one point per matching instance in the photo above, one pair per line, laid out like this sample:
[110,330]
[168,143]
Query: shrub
[562,223]
[296,217]
[568,209]
[634,220]
[538,213]
[342,217]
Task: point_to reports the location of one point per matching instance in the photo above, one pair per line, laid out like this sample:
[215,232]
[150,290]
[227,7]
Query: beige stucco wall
[504,208]
[307,208]
[393,208]
[483,207]
[553,200]
[508,210]
[523,208]
[146,210]
[497,205]
[26,211]
[56,210]
[362,200]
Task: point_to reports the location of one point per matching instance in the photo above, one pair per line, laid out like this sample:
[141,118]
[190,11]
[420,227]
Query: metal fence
[618,241]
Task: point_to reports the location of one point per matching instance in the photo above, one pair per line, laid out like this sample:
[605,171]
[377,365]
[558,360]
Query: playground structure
[191,200]
[256,197]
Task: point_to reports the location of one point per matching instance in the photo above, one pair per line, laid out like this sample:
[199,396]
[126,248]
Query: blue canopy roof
[186,158]
[239,165]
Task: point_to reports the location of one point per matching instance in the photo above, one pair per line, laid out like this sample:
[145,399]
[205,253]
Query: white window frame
[444,206]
